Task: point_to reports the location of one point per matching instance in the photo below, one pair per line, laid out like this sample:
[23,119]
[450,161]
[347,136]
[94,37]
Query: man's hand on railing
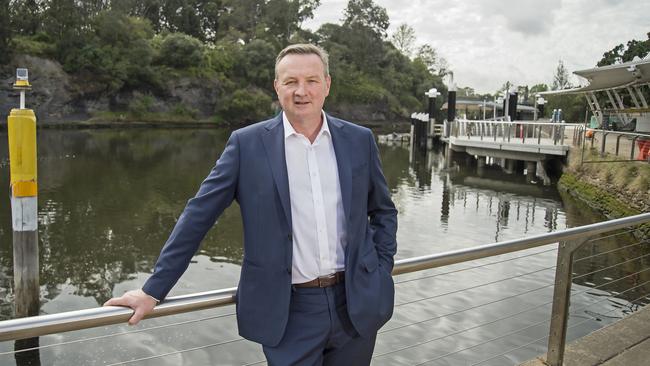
[138,300]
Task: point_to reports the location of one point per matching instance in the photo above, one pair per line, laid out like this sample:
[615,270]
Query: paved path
[624,343]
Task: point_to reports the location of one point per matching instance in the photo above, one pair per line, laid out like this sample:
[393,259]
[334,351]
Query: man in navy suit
[319,227]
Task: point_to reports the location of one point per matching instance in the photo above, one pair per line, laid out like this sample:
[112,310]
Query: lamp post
[497,100]
[432,94]
[539,106]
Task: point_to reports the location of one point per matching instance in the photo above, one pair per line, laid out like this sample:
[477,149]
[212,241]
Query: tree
[26,16]
[434,62]
[284,17]
[5,32]
[626,53]
[538,88]
[366,13]
[404,39]
[561,77]
[181,50]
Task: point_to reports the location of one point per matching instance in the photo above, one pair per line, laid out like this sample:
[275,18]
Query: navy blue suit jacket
[252,170]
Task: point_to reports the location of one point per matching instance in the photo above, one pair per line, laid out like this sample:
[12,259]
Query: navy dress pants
[319,332]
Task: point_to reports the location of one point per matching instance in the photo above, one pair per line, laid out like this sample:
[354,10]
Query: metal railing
[622,146]
[522,132]
[570,240]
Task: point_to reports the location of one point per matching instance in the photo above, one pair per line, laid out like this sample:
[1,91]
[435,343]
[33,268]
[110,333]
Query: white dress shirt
[319,236]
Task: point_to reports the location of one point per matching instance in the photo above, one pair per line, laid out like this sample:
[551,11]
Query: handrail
[89,318]
[525,122]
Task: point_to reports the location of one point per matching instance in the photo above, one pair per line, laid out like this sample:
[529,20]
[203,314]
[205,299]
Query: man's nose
[300,89]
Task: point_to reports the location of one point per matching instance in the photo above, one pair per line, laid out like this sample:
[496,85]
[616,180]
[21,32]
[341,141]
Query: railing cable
[542,338]
[611,251]
[507,317]
[473,267]
[117,334]
[474,287]
[466,309]
[514,332]
[622,232]
[610,267]
[177,352]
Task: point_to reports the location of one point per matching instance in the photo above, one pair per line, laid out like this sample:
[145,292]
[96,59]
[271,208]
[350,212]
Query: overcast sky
[487,42]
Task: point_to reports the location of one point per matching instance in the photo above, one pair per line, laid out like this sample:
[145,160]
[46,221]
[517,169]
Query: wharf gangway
[521,140]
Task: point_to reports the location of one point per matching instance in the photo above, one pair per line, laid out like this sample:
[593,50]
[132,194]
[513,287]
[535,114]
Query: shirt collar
[289,130]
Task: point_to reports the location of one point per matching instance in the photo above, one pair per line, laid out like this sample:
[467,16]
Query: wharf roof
[636,72]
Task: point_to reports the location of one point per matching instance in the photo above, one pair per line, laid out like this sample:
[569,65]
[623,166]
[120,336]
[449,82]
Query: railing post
[602,145]
[632,150]
[561,300]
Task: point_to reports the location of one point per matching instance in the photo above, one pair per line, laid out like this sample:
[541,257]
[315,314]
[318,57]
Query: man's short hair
[304,49]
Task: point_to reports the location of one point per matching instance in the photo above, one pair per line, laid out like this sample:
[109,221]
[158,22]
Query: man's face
[302,86]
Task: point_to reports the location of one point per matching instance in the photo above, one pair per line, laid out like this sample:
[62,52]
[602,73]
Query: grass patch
[631,176]
[128,116]
[595,196]
[613,188]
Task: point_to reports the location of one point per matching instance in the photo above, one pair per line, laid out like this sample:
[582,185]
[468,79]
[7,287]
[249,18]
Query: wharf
[624,343]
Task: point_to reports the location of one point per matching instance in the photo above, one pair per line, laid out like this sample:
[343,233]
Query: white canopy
[611,77]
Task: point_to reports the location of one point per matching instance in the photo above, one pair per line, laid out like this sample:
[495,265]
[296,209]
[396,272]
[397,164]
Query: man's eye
[290,82]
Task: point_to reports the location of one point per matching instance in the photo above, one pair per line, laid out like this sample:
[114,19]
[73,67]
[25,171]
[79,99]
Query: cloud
[528,17]
[487,42]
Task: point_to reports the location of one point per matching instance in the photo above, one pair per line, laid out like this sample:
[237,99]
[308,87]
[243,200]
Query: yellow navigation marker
[21,128]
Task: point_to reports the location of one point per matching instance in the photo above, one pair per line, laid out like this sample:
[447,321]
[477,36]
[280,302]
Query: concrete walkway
[624,343]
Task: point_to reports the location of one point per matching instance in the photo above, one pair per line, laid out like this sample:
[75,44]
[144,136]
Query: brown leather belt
[324,281]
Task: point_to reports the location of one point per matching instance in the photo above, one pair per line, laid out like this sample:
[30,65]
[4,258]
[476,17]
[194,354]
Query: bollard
[21,131]
[451,106]
[512,106]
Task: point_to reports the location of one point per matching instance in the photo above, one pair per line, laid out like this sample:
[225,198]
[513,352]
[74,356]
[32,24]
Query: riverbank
[615,189]
[380,127]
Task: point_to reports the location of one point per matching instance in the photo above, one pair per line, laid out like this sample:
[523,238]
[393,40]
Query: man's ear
[328,82]
[275,85]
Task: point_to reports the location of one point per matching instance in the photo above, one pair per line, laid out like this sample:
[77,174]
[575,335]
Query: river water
[109,198]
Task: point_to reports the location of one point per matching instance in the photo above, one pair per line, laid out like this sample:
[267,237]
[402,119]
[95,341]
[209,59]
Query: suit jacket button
[290,237]
[289,270]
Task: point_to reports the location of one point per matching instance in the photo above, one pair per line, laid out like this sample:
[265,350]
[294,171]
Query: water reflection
[108,200]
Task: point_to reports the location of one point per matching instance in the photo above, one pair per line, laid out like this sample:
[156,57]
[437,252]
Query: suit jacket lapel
[341,143]
[273,139]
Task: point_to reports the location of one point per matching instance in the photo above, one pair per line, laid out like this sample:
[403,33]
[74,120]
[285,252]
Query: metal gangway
[504,139]
[574,247]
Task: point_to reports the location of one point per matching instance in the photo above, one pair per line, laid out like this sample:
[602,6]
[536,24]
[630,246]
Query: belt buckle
[326,281]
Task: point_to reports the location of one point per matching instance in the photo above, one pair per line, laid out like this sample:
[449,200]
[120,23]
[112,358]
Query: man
[319,227]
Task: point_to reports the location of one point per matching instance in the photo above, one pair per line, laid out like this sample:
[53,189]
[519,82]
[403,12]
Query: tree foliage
[434,62]
[404,39]
[624,53]
[366,14]
[131,46]
[180,50]
[561,77]
[5,31]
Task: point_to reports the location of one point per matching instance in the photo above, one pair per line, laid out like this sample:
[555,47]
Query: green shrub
[180,51]
[182,110]
[246,105]
[141,105]
[34,45]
